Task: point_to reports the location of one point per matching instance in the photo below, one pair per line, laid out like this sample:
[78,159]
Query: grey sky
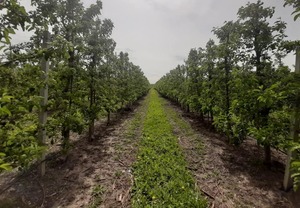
[158,34]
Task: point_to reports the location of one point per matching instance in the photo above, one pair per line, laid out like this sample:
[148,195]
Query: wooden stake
[44,102]
[287,182]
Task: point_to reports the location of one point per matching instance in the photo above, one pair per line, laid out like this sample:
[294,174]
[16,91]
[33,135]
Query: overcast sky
[158,34]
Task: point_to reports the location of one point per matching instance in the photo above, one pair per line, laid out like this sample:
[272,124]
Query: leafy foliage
[86,80]
[13,15]
[240,85]
[296,5]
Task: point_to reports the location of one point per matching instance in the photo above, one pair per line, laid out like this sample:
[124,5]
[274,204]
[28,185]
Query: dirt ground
[103,164]
[228,176]
[233,176]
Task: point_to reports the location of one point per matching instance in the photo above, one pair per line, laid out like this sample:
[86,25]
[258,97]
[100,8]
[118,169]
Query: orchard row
[241,84]
[87,79]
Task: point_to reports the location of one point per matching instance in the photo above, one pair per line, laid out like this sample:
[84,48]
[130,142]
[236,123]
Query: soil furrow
[95,174]
[229,176]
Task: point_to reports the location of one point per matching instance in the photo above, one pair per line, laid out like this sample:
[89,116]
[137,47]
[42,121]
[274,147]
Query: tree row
[241,84]
[87,79]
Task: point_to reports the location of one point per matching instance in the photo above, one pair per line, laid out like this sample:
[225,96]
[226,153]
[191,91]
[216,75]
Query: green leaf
[11,31]
[6,99]
[296,164]
[6,166]
[6,36]
[295,175]
[296,16]
[5,111]
[295,148]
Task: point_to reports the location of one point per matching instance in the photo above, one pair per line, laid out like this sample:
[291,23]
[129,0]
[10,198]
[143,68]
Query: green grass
[184,126]
[161,177]
[97,194]
[131,131]
[137,122]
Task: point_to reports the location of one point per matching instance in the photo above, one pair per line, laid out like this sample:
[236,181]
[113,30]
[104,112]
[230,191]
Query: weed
[185,127]
[200,146]
[215,173]
[161,175]
[97,194]
[118,174]
[137,122]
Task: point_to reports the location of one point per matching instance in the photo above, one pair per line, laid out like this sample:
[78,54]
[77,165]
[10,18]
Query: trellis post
[44,94]
[287,182]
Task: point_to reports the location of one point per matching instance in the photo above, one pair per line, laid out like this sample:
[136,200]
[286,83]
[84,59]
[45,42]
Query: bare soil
[227,175]
[69,181]
[232,176]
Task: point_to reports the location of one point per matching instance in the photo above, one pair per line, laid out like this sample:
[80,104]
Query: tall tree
[18,93]
[228,36]
[84,76]
[209,68]
[99,48]
[193,80]
[261,39]
[68,23]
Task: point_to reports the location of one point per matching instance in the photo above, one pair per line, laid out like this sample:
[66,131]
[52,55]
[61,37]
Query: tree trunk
[268,160]
[108,118]
[201,116]
[210,77]
[65,133]
[66,139]
[91,130]
[66,130]
[92,120]
[69,88]
[227,98]
[259,66]
[211,116]
[43,113]
[295,127]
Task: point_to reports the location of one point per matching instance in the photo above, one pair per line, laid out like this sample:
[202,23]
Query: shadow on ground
[235,176]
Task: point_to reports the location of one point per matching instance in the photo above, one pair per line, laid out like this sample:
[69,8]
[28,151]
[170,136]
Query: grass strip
[161,177]
[137,122]
[184,127]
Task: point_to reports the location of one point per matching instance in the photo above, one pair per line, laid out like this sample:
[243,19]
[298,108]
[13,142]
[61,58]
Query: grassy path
[99,174]
[161,177]
[116,178]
